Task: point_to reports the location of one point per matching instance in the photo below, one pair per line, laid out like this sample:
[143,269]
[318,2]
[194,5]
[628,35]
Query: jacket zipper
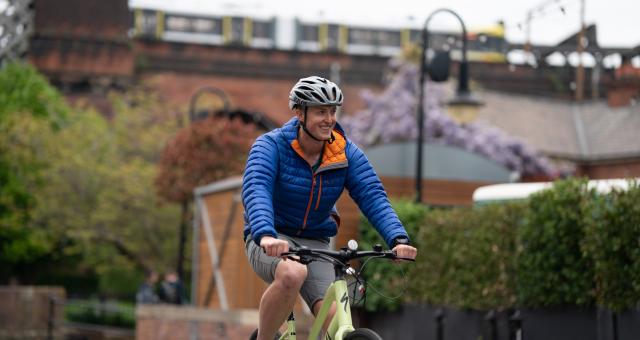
[306,214]
[319,193]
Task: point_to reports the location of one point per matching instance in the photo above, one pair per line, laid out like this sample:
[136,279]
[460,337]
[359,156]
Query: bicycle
[341,326]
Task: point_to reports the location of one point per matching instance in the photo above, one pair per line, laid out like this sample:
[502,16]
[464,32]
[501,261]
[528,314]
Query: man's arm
[257,187]
[366,190]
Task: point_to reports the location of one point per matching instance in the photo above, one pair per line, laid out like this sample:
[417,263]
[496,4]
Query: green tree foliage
[24,93]
[77,190]
[99,189]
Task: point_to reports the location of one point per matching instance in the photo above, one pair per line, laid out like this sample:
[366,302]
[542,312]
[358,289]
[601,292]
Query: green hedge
[551,268]
[563,246]
[466,257]
[612,242]
[112,313]
[384,276]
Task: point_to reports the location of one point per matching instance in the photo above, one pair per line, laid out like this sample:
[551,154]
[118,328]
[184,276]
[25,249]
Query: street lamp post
[206,89]
[463,95]
[193,116]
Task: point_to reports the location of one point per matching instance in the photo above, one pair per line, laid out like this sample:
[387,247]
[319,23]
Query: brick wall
[158,322]
[167,322]
[25,312]
[611,169]
[256,94]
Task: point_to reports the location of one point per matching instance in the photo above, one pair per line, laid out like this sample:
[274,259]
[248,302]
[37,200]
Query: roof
[590,131]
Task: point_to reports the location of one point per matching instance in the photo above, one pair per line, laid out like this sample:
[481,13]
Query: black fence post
[52,317]
[438,315]
[614,324]
[515,326]
[491,319]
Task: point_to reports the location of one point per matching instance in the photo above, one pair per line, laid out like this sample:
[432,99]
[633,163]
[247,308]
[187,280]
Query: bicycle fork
[291,327]
[341,323]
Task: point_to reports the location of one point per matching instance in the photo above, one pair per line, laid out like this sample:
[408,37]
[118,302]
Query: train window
[237,30]
[359,36]
[389,38]
[203,25]
[309,33]
[217,26]
[179,23]
[147,22]
[333,37]
[370,37]
[263,29]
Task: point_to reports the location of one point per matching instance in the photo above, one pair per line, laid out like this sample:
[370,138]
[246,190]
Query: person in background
[172,290]
[147,290]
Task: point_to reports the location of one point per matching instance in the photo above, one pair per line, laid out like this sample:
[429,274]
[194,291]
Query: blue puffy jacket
[281,194]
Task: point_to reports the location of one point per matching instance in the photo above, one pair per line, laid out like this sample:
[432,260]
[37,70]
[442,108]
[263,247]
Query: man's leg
[330,315]
[278,300]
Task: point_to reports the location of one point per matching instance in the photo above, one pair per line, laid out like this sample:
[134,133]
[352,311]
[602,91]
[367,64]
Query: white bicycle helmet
[315,91]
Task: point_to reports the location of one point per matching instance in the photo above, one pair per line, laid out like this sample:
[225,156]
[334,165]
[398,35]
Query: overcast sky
[617,20]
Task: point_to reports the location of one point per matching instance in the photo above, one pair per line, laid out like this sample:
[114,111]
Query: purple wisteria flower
[391,117]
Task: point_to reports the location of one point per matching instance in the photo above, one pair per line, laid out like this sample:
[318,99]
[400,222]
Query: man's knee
[290,274]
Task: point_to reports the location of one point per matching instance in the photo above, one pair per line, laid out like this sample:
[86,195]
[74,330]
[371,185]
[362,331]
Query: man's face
[320,120]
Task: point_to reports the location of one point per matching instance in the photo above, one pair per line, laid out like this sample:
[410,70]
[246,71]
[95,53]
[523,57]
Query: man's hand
[273,246]
[404,251]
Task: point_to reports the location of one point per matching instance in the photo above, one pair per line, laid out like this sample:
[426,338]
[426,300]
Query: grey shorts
[319,274]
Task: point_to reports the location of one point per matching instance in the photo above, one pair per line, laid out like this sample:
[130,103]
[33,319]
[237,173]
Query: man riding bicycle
[293,178]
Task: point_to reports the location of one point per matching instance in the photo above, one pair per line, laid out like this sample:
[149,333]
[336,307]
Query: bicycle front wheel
[362,334]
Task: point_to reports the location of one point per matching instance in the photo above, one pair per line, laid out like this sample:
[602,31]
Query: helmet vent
[324,91]
[302,95]
[317,96]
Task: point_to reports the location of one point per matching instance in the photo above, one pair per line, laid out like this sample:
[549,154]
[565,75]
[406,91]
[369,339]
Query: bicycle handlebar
[343,255]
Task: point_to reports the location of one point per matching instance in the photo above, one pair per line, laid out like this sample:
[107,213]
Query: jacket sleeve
[366,190]
[257,187]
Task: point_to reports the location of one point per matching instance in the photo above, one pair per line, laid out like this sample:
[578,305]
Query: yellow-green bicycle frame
[340,325]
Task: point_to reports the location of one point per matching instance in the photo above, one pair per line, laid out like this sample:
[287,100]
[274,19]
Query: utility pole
[580,50]
[527,44]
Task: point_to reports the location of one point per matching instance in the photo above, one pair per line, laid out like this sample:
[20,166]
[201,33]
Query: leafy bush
[612,241]
[116,314]
[564,246]
[384,276]
[551,267]
[466,257]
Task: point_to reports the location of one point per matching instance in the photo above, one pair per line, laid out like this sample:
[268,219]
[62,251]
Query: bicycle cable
[377,291]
